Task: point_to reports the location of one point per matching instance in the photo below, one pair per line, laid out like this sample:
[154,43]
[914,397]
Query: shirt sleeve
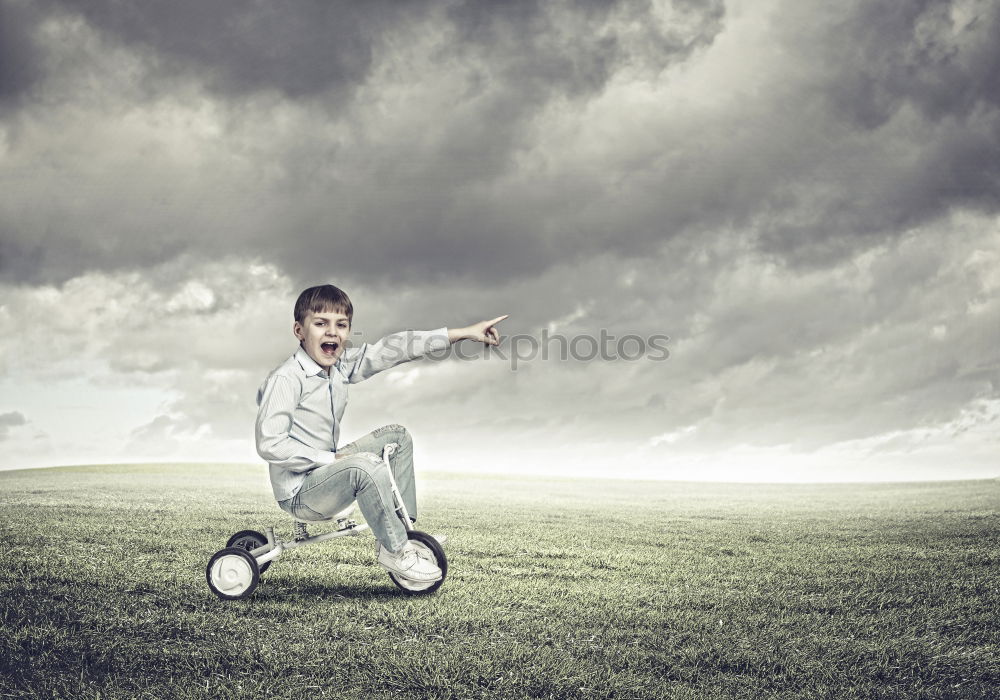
[396,348]
[277,401]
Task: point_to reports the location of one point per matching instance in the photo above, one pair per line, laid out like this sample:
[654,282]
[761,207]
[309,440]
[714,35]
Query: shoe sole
[402,574]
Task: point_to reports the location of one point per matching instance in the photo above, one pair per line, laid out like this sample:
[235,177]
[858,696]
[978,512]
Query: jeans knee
[403,436]
[396,433]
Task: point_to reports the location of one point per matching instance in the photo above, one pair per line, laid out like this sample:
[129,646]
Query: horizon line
[540,475]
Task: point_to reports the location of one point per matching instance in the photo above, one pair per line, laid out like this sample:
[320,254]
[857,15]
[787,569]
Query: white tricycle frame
[235,571]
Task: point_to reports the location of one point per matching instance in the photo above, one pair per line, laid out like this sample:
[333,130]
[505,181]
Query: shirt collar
[308,364]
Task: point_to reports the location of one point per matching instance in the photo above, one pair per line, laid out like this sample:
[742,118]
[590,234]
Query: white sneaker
[406,564]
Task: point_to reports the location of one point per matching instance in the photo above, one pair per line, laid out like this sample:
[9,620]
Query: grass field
[557,589]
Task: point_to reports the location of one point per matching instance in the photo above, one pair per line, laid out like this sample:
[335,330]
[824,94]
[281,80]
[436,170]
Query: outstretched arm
[483,332]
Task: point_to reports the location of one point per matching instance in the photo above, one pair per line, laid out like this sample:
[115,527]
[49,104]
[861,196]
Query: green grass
[557,589]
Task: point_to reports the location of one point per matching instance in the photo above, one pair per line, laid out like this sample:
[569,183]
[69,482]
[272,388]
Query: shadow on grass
[311,589]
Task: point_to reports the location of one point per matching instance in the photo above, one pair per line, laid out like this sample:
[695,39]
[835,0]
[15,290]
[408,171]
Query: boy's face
[323,336]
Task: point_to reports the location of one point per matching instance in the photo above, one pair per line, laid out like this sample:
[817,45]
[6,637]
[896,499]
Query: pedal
[299,531]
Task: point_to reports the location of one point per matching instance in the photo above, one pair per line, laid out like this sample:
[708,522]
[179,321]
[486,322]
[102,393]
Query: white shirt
[300,406]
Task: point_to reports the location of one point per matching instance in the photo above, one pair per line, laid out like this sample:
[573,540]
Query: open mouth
[329,348]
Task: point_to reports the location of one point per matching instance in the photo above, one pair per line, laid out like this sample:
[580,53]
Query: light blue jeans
[363,477]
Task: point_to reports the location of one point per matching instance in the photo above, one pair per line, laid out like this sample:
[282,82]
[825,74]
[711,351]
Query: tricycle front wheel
[428,548]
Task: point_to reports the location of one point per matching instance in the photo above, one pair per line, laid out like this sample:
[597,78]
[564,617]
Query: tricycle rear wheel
[249,540]
[232,573]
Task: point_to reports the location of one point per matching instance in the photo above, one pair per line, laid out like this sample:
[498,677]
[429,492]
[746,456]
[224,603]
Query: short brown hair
[323,299]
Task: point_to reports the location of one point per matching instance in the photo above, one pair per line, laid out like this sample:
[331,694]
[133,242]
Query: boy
[301,405]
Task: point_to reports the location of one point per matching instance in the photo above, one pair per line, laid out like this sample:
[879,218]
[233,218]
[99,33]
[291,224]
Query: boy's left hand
[484,332]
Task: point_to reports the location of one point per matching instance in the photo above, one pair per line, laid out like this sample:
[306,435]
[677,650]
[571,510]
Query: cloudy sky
[802,195]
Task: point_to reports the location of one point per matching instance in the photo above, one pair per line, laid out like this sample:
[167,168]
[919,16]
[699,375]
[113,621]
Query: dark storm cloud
[939,57]
[20,58]
[296,48]
[453,197]
[487,140]
[301,49]
[917,82]
[541,53]
[389,198]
